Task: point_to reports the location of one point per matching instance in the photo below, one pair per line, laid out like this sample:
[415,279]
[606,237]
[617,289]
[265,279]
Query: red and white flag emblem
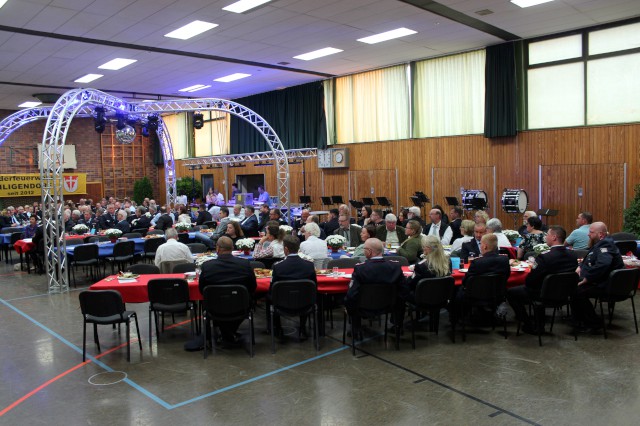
[71,183]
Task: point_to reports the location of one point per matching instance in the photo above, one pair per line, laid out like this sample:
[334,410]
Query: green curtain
[500,111]
[296,115]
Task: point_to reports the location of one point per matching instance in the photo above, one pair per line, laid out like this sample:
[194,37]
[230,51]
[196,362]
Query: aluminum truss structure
[292,155]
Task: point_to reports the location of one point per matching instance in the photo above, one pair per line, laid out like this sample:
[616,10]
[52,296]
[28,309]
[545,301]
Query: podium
[546,213]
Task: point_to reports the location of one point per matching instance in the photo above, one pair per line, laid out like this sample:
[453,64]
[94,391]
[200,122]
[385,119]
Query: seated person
[466,229]
[368,231]
[494,226]
[249,224]
[471,249]
[237,213]
[332,224]
[173,250]
[312,245]
[411,248]
[234,232]
[533,236]
[32,227]
[390,233]
[351,232]
[122,224]
[270,246]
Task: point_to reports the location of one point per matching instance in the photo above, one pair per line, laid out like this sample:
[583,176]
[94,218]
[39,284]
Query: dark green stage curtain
[500,111]
[296,115]
[158,158]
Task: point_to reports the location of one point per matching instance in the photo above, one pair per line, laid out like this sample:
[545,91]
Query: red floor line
[59,376]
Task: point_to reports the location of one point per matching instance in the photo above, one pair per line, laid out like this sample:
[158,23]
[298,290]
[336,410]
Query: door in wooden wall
[448,181]
[601,186]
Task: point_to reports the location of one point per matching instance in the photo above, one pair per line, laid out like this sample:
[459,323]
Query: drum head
[523,201]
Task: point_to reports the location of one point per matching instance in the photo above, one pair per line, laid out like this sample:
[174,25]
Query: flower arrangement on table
[245,244]
[286,228]
[540,248]
[113,234]
[336,242]
[183,227]
[80,229]
[306,257]
[511,235]
[200,260]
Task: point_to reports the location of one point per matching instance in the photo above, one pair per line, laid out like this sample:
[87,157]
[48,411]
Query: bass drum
[474,199]
[514,200]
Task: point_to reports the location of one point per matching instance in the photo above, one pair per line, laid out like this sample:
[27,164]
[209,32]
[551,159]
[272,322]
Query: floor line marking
[444,385]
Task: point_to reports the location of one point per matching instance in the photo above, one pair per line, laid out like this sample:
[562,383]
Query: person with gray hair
[172,250]
[494,226]
[312,245]
[391,233]
[414,213]
[122,224]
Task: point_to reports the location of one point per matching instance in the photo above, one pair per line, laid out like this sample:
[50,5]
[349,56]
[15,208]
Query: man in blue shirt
[579,238]
[264,195]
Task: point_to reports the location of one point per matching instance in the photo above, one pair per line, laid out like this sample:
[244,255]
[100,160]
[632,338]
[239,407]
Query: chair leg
[353,340]
[251,342]
[635,320]
[150,328]
[344,326]
[95,336]
[413,328]
[553,318]
[128,326]
[610,307]
[316,334]
[604,323]
[84,341]
[205,329]
[273,331]
[135,317]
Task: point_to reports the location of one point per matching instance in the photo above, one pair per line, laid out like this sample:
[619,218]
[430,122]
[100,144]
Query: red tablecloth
[136,292]
[22,246]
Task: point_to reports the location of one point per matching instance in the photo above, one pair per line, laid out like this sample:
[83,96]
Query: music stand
[356,204]
[383,201]
[423,197]
[326,201]
[336,199]
[452,201]
[367,201]
[305,199]
[546,213]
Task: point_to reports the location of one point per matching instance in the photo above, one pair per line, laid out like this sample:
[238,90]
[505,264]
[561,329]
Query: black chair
[74,241]
[345,263]
[95,239]
[15,237]
[374,300]
[105,307]
[143,268]
[183,237]
[622,285]
[168,295]
[256,264]
[226,303]
[555,293]
[431,295]
[293,298]
[580,254]
[123,252]
[151,246]
[626,246]
[85,255]
[623,236]
[181,268]
[155,232]
[196,248]
[483,291]
[403,261]
[141,231]
[132,235]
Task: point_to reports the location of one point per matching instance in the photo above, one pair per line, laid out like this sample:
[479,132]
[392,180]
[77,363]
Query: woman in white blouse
[270,246]
[466,229]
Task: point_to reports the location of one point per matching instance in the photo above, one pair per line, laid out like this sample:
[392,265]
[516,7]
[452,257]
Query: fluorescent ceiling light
[528,3]
[244,5]
[232,77]
[117,64]
[388,35]
[317,54]
[88,78]
[29,104]
[2,2]
[191,30]
[194,88]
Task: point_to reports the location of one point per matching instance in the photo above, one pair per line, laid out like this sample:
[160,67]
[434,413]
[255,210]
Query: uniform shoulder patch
[534,265]
[603,250]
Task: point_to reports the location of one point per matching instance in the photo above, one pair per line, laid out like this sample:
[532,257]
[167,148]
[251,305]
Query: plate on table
[128,275]
[463,270]
[518,269]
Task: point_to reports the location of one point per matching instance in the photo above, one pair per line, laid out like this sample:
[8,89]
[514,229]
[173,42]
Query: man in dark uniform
[293,267]
[332,224]
[249,224]
[140,220]
[263,216]
[472,248]
[455,215]
[375,270]
[558,259]
[108,219]
[603,257]
[164,221]
[227,269]
[203,215]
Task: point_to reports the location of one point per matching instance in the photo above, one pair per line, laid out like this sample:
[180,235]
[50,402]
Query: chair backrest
[212,224]
[623,282]
[293,295]
[183,237]
[403,261]
[557,288]
[580,253]
[196,228]
[181,268]
[197,248]
[152,244]
[84,252]
[155,232]
[143,268]
[485,287]
[344,262]
[168,291]
[226,302]
[96,239]
[256,264]
[16,236]
[132,235]
[376,296]
[141,231]
[166,266]
[626,246]
[74,241]
[434,291]
[124,248]
[623,236]
[100,303]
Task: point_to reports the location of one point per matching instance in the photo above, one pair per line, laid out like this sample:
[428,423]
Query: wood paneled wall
[592,158]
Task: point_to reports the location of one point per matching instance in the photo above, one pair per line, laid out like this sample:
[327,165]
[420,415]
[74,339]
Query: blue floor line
[154,397]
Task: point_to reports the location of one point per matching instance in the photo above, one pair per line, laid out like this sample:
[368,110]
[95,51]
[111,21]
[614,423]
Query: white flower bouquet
[147,214]
[336,241]
[113,233]
[511,235]
[183,226]
[540,248]
[245,243]
[286,228]
[80,229]
[205,258]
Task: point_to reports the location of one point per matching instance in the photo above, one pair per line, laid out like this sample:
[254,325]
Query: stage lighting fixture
[145,131]
[198,120]
[152,123]
[122,121]
[100,120]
